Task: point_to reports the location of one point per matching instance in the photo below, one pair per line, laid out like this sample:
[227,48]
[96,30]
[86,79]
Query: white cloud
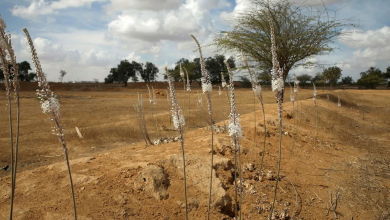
[153,5]
[80,65]
[37,8]
[173,25]
[245,5]
[133,57]
[318,2]
[371,48]
[372,38]
[241,7]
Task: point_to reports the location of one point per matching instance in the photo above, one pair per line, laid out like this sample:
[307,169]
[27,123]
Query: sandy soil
[347,156]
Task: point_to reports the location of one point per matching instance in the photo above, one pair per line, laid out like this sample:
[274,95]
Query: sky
[86,38]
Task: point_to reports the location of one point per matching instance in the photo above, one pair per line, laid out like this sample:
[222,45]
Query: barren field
[114,172]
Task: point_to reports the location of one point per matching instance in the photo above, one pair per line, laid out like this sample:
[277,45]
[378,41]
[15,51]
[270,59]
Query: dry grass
[107,120]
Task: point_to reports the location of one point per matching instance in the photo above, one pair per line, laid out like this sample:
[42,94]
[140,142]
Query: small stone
[250,167]
[270,175]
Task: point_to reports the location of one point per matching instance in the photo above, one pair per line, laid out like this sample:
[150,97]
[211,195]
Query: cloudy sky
[88,37]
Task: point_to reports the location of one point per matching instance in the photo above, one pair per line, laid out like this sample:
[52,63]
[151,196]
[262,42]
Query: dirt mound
[198,171]
[153,180]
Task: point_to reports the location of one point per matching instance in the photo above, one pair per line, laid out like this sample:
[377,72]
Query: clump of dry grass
[139,107]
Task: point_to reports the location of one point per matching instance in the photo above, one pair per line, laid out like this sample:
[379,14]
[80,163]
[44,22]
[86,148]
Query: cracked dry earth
[140,182]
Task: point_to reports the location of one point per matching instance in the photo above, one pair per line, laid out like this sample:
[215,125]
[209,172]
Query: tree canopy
[149,72]
[301,31]
[126,70]
[304,79]
[23,68]
[332,74]
[214,65]
[371,78]
[319,78]
[386,75]
[347,80]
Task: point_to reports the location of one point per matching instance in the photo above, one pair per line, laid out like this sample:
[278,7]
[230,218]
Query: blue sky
[88,37]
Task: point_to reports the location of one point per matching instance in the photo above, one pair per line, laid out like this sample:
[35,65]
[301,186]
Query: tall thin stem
[71,183]
[265,135]
[12,155]
[212,155]
[170,115]
[16,152]
[184,170]
[254,118]
[189,108]
[279,160]
[235,178]
[240,174]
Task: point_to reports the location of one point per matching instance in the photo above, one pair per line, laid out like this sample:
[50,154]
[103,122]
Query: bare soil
[345,155]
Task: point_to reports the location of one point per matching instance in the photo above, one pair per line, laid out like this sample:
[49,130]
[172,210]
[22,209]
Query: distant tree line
[215,65]
[24,75]
[369,79]
[126,70]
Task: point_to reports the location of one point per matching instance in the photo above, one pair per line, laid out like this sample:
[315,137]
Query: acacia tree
[332,74]
[301,32]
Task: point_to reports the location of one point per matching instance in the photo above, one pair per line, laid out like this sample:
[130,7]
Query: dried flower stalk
[178,122]
[8,58]
[235,131]
[278,88]
[207,88]
[51,106]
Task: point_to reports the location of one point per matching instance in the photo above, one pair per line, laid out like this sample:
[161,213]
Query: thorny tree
[301,32]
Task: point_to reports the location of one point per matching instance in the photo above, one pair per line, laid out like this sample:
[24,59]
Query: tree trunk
[125,83]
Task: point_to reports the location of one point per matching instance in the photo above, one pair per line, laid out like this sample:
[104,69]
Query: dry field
[111,163]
